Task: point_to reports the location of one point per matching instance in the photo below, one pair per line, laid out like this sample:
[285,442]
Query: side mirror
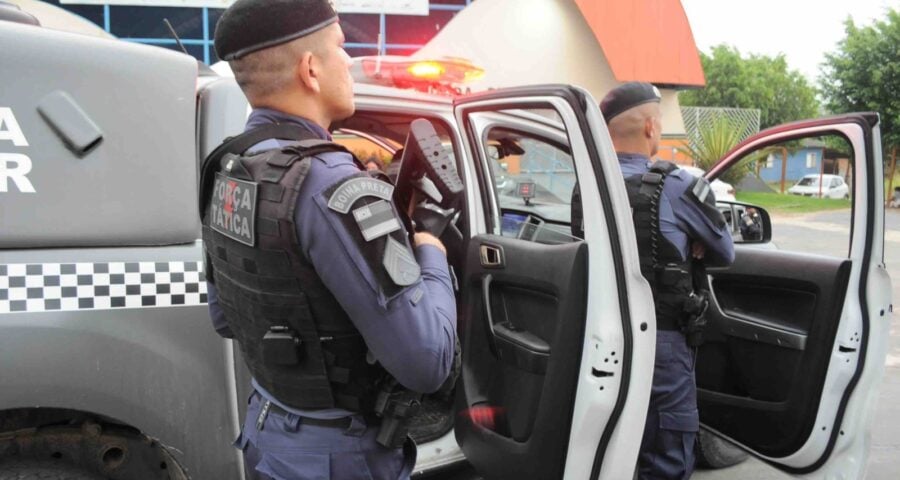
[747,223]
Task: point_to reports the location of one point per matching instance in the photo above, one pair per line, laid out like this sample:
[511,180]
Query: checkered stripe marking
[47,287]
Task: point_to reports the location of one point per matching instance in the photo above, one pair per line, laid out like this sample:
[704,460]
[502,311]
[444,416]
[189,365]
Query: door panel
[792,352]
[547,367]
[762,368]
[517,315]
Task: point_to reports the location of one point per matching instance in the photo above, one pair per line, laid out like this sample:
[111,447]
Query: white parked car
[724,191]
[833,186]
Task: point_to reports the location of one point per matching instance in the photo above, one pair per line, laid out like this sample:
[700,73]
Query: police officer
[751,225]
[339,313]
[677,224]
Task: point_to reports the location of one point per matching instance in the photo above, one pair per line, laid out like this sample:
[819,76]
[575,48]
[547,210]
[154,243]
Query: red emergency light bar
[445,75]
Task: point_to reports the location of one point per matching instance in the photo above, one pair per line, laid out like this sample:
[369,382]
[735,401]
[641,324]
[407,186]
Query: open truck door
[557,333]
[797,340]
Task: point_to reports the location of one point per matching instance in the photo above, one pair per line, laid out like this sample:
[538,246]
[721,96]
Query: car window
[378,137]
[807,215]
[367,148]
[532,174]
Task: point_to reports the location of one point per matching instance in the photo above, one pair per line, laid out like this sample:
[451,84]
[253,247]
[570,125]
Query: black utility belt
[269,408]
[668,324]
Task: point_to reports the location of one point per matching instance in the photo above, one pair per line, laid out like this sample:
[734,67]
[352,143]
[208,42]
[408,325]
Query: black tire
[715,452]
[43,470]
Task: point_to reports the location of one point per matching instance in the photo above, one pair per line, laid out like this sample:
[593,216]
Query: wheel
[43,470]
[715,452]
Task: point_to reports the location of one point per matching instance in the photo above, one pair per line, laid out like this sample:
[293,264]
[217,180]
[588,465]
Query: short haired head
[288,55]
[634,118]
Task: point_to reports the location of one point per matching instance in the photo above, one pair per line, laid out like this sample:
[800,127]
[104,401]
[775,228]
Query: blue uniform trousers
[667,449]
[286,449]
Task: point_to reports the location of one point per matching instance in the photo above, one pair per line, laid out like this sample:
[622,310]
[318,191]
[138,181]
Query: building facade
[401,34]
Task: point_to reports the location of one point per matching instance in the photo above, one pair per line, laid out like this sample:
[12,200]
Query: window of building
[402,34]
[770,161]
[361,28]
[810,159]
[94,13]
[411,31]
[149,22]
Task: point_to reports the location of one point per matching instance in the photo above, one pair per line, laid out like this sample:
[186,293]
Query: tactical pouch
[281,347]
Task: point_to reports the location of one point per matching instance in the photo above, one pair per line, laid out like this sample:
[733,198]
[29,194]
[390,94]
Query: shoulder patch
[702,195]
[701,189]
[352,190]
[400,264]
[232,209]
[363,205]
[376,219]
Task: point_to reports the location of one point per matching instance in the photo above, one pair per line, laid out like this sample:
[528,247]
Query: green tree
[863,74]
[755,81]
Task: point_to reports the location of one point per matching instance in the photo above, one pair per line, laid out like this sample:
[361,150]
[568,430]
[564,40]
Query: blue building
[401,34]
[812,157]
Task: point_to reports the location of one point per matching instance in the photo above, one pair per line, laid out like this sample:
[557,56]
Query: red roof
[646,40]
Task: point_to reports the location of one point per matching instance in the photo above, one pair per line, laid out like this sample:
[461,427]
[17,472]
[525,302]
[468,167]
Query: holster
[695,308]
[396,406]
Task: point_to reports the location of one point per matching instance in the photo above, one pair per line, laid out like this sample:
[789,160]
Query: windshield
[808,182]
[534,162]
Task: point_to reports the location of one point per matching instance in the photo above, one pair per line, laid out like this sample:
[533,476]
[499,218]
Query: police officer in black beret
[341,320]
[679,230]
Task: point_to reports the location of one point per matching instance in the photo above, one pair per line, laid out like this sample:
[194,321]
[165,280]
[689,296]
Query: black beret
[251,25]
[628,96]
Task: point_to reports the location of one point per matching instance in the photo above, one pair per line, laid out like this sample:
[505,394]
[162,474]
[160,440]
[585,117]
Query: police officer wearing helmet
[679,230]
[341,316]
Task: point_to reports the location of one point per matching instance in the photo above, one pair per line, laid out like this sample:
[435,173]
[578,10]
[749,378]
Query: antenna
[380,53]
[175,36]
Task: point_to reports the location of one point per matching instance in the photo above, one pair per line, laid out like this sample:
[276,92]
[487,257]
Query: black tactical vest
[661,264]
[297,341]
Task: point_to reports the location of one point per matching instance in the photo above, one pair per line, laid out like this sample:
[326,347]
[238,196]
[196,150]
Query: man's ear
[308,71]
[649,127]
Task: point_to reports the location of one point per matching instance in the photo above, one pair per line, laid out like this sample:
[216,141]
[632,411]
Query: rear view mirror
[747,223]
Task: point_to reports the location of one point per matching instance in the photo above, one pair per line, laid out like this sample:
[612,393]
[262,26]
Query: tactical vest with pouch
[297,341]
[661,264]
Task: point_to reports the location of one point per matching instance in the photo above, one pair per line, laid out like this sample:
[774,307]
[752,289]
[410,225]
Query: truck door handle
[491,256]
[488,314]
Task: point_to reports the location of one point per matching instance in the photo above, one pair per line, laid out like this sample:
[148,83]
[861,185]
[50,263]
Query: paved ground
[828,232]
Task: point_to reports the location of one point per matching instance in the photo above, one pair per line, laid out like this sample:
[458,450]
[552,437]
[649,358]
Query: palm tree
[712,141]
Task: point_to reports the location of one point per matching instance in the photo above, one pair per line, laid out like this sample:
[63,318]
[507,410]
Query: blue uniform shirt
[411,334]
[680,218]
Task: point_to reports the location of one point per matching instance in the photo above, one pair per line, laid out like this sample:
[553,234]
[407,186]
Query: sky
[803,30]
